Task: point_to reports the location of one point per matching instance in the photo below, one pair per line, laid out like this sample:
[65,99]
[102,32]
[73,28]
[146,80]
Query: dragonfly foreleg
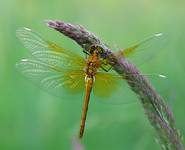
[106,69]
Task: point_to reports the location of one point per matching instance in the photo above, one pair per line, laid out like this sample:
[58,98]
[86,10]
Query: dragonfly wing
[31,40]
[55,80]
[60,60]
[146,49]
[111,88]
[105,84]
[38,45]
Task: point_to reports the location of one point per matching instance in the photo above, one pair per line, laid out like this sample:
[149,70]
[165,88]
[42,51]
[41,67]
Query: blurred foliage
[32,119]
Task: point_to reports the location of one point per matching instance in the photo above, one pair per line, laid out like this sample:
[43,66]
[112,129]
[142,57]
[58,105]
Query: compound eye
[101,51]
[92,49]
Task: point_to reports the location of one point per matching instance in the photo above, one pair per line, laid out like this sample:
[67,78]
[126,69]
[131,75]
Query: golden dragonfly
[60,70]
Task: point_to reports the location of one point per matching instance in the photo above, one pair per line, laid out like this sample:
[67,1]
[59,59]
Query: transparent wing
[38,45]
[60,60]
[52,78]
[146,49]
[31,40]
[105,84]
[112,88]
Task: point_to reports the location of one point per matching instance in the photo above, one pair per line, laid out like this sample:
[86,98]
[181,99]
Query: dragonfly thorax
[92,64]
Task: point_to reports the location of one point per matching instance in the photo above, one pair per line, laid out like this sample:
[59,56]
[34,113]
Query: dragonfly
[60,70]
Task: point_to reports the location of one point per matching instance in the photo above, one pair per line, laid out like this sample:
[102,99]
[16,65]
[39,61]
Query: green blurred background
[31,119]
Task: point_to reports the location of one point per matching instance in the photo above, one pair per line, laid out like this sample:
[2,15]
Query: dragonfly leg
[85,52]
[106,69]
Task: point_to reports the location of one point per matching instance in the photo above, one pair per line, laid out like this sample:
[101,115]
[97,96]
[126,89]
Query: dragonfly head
[96,49]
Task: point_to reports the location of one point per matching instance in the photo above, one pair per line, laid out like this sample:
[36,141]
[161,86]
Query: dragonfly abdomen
[88,87]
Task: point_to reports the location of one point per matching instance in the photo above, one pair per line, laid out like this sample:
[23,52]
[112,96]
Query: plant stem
[157,111]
